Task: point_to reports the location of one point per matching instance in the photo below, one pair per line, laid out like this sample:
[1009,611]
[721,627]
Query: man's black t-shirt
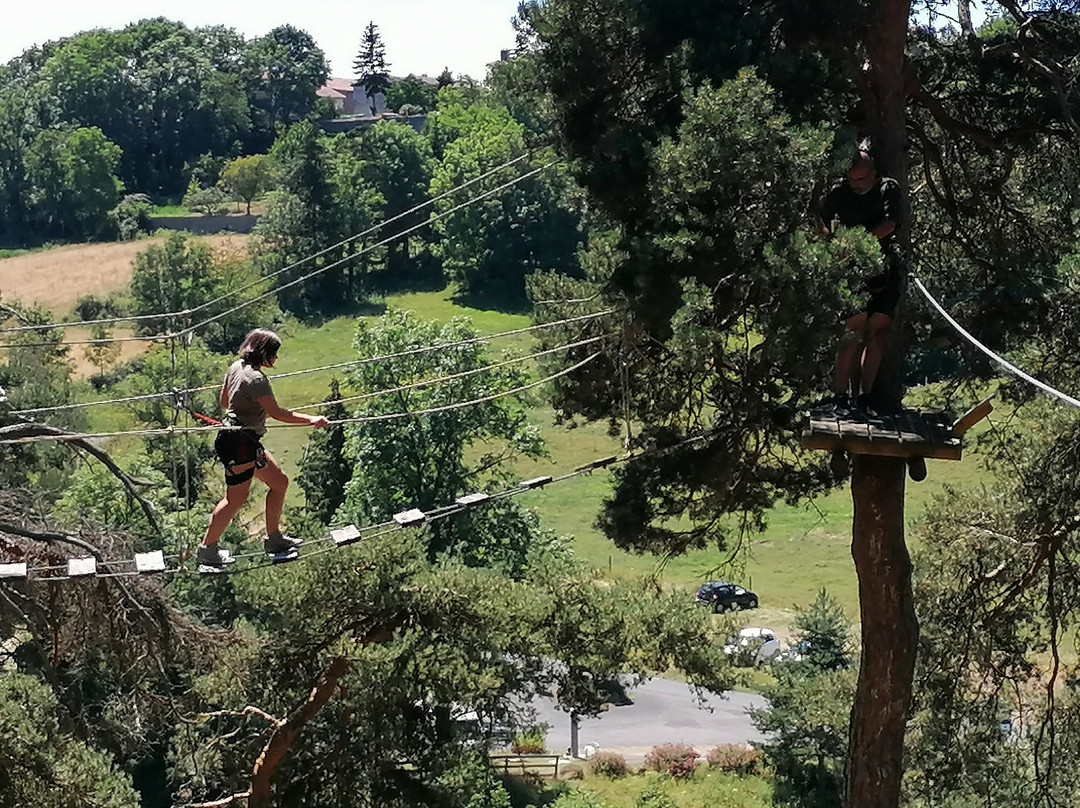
[881,203]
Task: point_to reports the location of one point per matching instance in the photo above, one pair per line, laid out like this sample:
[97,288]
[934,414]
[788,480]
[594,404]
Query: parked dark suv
[723,597]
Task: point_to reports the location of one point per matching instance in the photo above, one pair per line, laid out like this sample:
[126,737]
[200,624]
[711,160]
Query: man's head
[862,174]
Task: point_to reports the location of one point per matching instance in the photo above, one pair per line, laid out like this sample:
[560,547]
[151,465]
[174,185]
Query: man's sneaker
[211,556]
[278,543]
[839,405]
[864,404]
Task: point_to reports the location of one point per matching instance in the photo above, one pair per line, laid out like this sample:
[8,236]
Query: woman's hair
[259,346]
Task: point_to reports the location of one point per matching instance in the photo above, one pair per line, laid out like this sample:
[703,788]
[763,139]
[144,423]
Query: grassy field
[15,253]
[705,789]
[803,548]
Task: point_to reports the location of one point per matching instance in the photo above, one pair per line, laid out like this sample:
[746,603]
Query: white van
[753,646]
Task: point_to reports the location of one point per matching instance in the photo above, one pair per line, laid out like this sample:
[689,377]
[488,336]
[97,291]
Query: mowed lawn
[803,549]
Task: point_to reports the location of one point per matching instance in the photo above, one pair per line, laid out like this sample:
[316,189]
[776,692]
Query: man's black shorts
[885,290]
[238,447]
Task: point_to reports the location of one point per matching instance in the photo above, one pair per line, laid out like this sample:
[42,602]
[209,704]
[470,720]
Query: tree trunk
[890,633]
[890,630]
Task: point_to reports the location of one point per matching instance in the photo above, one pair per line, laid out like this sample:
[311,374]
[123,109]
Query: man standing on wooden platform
[873,202]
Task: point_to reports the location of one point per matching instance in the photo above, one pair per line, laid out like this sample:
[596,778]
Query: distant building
[349,98]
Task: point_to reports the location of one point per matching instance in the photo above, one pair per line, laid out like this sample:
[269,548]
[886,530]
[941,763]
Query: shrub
[675,759]
[572,772]
[608,764]
[735,759]
[530,742]
[90,307]
[130,217]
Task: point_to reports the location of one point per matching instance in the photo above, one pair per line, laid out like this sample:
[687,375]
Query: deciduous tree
[247,177]
[431,464]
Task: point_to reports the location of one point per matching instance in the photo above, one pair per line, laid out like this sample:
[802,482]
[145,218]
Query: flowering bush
[675,759]
[608,764]
[735,759]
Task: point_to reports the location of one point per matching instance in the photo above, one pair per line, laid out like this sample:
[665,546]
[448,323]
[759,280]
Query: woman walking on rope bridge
[248,400]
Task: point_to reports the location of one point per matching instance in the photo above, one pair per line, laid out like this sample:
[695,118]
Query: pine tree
[371,66]
[827,633]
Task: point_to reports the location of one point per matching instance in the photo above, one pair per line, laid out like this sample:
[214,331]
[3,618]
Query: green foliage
[424,462]
[411,91]
[102,353]
[91,307]
[429,642]
[460,110]
[608,764]
[284,69]
[489,248]
[654,797]
[180,459]
[71,182]
[155,69]
[517,84]
[206,171]
[35,372]
[44,767]
[706,789]
[208,200]
[183,274]
[305,217]
[827,634]
[530,742]
[94,499]
[579,798]
[676,760]
[807,725]
[130,217]
[324,469]
[396,165]
[740,304]
[599,632]
[995,627]
[245,178]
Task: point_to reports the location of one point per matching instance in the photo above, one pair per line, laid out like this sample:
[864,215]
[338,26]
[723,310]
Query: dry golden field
[58,277]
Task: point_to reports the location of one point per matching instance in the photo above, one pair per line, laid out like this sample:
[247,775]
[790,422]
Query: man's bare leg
[878,327]
[847,358]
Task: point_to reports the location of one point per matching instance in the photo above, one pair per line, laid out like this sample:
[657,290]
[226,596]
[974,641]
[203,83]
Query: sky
[421,36]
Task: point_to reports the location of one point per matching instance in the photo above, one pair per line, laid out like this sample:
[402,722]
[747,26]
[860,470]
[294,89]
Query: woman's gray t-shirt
[245,385]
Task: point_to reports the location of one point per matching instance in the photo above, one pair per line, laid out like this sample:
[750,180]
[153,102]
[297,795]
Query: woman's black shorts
[238,447]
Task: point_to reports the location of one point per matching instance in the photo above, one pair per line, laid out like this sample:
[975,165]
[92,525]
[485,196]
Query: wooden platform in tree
[907,433]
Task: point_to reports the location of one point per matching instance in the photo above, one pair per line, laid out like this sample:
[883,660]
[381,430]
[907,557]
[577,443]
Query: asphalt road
[663,712]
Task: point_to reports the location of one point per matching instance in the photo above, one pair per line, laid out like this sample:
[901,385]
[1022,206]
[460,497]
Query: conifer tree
[325,470]
[372,69]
